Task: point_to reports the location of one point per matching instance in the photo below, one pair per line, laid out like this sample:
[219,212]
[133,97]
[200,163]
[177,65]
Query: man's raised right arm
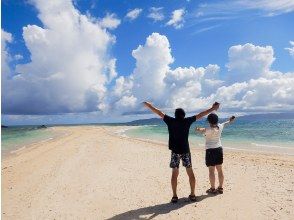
[214,107]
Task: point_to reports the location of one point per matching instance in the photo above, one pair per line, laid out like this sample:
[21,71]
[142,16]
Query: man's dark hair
[180,113]
[212,119]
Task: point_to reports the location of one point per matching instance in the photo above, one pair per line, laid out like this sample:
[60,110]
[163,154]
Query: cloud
[18,57]
[237,7]
[6,38]
[71,71]
[261,94]
[249,61]
[153,79]
[70,67]
[214,13]
[291,49]
[177,18]
[156,14]
[133,14]
[271,7]
[205,29]
[250,85]
[110,21]
[152,63]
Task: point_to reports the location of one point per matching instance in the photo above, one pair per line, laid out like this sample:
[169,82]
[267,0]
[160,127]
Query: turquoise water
[13,138]
[258,135]
[252,135]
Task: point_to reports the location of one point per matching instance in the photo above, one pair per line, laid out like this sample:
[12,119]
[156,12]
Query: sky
[93,61]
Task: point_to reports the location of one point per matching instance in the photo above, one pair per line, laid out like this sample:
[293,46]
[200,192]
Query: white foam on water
[19,149]
[270,146]
[121,132]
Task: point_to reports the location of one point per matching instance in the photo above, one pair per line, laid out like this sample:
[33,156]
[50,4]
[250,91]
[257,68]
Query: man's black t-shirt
[178,130]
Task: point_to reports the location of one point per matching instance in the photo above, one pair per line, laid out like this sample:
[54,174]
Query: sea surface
[18,137]
[276,136]
[249,135]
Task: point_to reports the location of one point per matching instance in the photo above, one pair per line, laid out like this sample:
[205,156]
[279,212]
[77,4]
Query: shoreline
[125,128]
[93,173]
[230,151]
[18,149]
[265,149]
[121,130]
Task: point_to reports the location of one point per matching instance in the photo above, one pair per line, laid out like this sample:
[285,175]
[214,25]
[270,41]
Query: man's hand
[147,104]
[215,106]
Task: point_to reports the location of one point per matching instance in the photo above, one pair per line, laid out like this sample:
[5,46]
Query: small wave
[258,151]
[122,130]
[19,149]
[271,146]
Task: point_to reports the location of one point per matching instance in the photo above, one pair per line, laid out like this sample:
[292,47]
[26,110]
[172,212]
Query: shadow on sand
[156,210]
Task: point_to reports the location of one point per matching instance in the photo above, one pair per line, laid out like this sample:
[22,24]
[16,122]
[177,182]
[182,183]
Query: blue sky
[203,34]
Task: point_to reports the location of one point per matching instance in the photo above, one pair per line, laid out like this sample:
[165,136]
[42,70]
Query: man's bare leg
[192,180]
[174,180]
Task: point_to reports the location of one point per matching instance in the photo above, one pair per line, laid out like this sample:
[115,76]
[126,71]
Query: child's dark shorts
[214,156]
[175,160]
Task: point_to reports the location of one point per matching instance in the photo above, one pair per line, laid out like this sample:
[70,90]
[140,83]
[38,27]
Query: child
[214,151]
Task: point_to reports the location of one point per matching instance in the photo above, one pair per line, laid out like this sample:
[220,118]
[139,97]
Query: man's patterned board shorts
[175,160]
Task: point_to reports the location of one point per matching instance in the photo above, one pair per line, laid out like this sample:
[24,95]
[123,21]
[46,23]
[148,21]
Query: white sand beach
[93,173]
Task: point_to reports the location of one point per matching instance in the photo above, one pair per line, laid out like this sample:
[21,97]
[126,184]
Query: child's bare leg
[220,175]
[212,176]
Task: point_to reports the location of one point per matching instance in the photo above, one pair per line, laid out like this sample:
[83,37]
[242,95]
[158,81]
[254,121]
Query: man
[178,129]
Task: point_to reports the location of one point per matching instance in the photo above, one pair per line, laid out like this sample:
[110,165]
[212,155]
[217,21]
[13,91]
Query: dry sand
[92,173]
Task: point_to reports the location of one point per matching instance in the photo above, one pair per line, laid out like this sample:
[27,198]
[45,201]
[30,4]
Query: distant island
[267,116]
[289,115]
[42,126]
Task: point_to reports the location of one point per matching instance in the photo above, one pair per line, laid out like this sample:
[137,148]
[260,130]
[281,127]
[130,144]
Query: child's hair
[180,113]
[212,119]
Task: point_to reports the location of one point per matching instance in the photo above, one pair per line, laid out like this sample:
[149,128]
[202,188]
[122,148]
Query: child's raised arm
[231,120]
[200,130]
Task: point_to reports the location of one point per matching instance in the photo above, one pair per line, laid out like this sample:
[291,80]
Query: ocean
[276,136]
[17,137]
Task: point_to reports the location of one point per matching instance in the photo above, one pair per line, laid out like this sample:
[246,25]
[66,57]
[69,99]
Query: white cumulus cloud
[110,21]
[153,79]
[133,14]
[6,38]
[177,18]
[156,14]
[248,62]
[72,71]
[291,49]
[70,66]
[253,86]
